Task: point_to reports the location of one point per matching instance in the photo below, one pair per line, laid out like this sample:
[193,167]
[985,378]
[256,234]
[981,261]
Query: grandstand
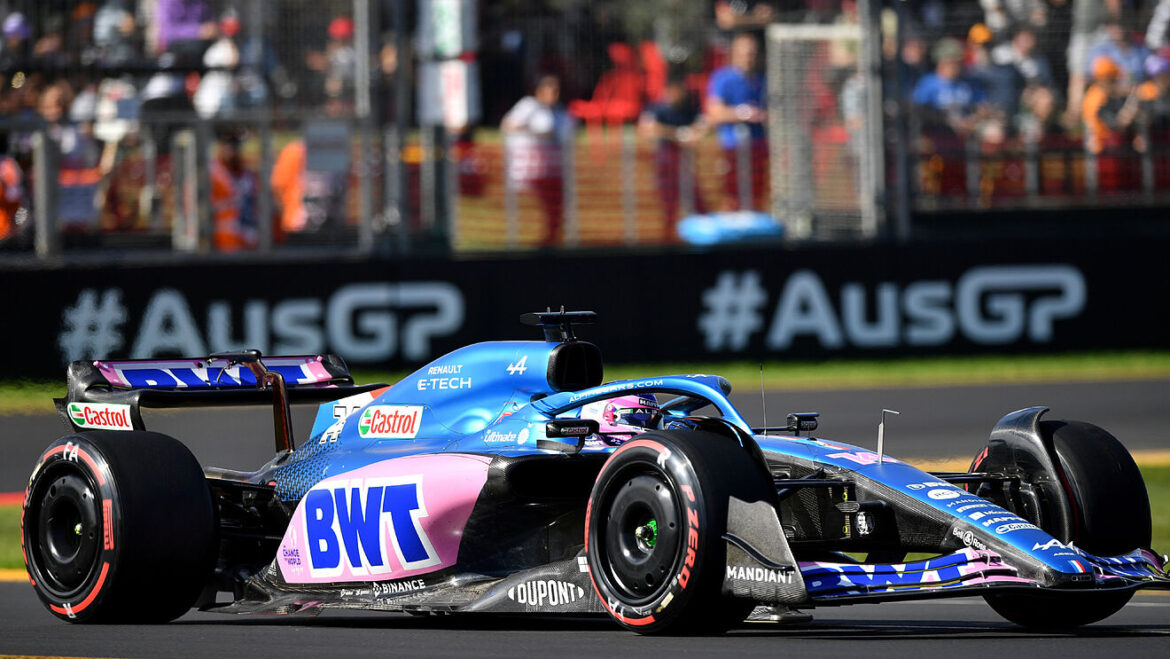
[360,126]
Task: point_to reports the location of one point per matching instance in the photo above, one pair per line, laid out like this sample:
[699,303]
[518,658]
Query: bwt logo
[988,305]
[360,523]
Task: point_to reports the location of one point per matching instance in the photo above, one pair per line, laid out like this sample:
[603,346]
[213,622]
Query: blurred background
[369,126]
[173,165]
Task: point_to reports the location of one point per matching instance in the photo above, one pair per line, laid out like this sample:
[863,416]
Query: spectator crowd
[111,81]
[103,77]
[1003,76]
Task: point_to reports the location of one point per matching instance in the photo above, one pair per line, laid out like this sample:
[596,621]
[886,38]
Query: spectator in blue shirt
[1114,43]
[735,106]
[951,100]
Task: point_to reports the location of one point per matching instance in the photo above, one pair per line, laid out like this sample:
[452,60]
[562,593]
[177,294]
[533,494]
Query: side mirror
[577,429]
[802,421]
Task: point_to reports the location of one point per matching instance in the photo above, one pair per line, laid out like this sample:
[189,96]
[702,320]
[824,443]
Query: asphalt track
[938,422]
[942,628]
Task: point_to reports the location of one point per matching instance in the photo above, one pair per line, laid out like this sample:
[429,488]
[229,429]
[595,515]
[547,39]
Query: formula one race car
[505,477]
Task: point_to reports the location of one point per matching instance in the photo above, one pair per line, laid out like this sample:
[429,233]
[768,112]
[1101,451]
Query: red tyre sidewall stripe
[662,450]
[88,598]
[648,443]
[588,512]
[975,464]
[636,622]
[97,473]
[108,522]
[23,551]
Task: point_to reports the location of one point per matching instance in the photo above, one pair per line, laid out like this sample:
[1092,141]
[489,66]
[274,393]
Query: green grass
[35,397]
[935,371]
[29,396]
[10,556]
[1157,483]
[1158,486]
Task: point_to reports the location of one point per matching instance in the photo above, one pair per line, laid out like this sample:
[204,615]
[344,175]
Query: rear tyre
[1111,515]
[654,530]
[118,527]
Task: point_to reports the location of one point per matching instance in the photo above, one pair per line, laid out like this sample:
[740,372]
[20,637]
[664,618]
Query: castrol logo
[390,421]
[100,416]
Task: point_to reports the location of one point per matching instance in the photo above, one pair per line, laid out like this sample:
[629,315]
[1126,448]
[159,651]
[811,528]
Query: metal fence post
[972,163]
[873,160]
[148,203]
[201,168]
[1091,181]
[392,193]
[1031,168]
[427,180]
[903,134]
[743,164]
[569,188]
[191,217]
[184,225]
[46,158]
[451,189]
[1147,161]
[441,160]
[629,186]
[264,206]
[511,203]
[361,10]
[365,236]
[402,104]
[778,152]
[686,181]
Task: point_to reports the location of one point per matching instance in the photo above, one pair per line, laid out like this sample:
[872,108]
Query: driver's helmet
[619,419]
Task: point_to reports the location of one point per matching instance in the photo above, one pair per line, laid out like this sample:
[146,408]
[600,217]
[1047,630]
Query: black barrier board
[808,303]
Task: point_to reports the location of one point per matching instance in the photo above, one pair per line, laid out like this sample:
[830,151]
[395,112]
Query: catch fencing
[373,128]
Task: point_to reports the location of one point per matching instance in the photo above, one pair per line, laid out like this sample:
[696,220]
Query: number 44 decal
[519,367]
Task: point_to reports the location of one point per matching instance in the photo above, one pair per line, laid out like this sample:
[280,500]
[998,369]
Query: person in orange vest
[233,195]
[1109,110]
[11,193]
[288,186]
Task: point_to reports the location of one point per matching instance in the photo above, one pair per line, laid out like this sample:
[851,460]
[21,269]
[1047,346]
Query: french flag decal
[1078,566]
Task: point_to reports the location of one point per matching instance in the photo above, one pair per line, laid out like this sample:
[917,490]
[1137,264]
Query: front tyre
[118,527]
[654,530]
[1111,515]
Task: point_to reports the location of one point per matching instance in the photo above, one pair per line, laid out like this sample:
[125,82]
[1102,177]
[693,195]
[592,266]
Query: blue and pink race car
[505,477]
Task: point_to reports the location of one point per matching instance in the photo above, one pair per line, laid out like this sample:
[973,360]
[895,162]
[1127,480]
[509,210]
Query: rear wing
[109,395]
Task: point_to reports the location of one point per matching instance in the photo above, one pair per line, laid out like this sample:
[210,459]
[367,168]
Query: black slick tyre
[118,527]
[1111,515]
[654,530]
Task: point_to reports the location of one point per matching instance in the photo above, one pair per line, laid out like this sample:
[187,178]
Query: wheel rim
[66,539]
[641,535]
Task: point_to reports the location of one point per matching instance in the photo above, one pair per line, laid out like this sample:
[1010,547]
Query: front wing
[760,566]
